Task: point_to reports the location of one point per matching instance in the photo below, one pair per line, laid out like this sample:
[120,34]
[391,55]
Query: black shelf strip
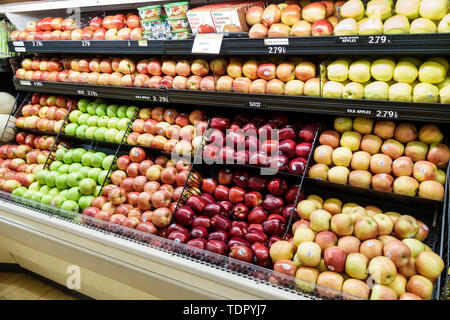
[431,43]
[411,111]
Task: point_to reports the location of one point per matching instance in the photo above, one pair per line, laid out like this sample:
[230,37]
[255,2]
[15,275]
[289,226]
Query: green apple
[111,110]
[81,131]
[47,198]
[45,189]
[90,132]
[37,195]
[55,165]
[85,201]
[68,157]
[93,173]
[107,162]
[73,116]
[112,123]
[122,111]
[40,176]
[61,181]
[50,178]
[82,104]
[123,124]
[100,100]
[64,168]
[73,179]
[70,205]
[77,154]
[103,121]
[119,136]
[102,176]
[83,118]
[19,191]
[53,192]
[63,194]
[97,191]
[101,110]
[28,194]
[73,194]
[60,154]
[97,159]
[110,135]
[75,167]
[35,186]
[92,121]
[131,110]
[84,171]
[91,108]
[57,201]
[100,134]
[86,158]
[87,186]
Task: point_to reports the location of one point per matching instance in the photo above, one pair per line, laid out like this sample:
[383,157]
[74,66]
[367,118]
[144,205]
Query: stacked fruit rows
[376,152]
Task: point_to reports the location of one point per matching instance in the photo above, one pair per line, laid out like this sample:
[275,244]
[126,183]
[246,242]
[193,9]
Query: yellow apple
[432,72]
[359,71]
[405,71]
[377,90]
[353,90]
[425,92]
[398,24]
[422,25]
[383,69]
[346,27]
[409,8]
[400,91]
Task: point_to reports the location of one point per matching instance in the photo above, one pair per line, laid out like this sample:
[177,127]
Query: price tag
[153,98]
[276,42]
[20,49]
[255,104]
[348,39]
[37,43]
[25,83]
[18,43]
[85,43]
[382,39]
[92,93]
[209,43]
[387,114]
[38,84]
[276,49]
[359,111]
[142,43]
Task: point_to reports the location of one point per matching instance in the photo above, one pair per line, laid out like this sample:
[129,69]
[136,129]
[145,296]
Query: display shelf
[432,112]
[436,43]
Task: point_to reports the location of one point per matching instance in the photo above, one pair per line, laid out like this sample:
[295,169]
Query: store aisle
[23,286]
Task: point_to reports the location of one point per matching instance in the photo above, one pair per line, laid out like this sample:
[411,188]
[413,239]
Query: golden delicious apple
[398,24]
[432,72]
[400,92]
[383,69]
[429,264]
[405,71]
[444,24]
[422,25]
[353,90]
[379,8]
[372,25]
[338,70]
[356,266]
[346,27]
[332,89]
[408,8]
[433,9]
[352,9]
[377,90]
[425,92]
[359,71]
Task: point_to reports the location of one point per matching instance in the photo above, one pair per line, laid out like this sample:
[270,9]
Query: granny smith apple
[50,178]
[64,168]
[102,176]
[37,195]
[70,205]
[84,171]
[77,154]
[19,191]
[60,154]
[28,194]
[110,135]
[101,110]
[83,118]
[55,165]
[107,162]
[131,110]
[82,104]
[100,134]
[53,192]
[75,167]
[81,131]
[100,100]
[92,121]
[97,159]
[85,201]
[93,173]
[40,176]
[45,189]
[73,116]
[86,158]
[122,111]
[61,181]
[73,179]
[63,194]
[87,186]
[35,186]
[91,108]
[123,124]
[73,194]
[90,132]
[97,191]
[111,110]
[71,129]
[57,201]
[103,121]
[112,123]
[47,198]
[119,136]
[68,157]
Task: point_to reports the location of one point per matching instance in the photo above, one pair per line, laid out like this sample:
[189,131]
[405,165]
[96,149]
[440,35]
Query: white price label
[20,49]
[378,39]
[18,43]
[25,83]
[209,43]
[85,43]
[142,43]
[276,42]
[386,114]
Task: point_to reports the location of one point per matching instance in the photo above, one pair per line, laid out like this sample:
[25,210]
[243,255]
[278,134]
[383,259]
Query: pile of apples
[19,163]
[274,142]
[143,194]
[39,69]
[72,181]
[383,17]
[96,119]
[358,250]
[406,79]
[45,113]
[236,214]
[117,27]
[169,130]
[384,155]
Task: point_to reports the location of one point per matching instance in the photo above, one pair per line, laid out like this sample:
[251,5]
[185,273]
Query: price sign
[20,49]
[386,114]
[18,43]
[92,93]
[255,104]
[25,83]
[348,39]
[364,112]
[276,45]
[85,43]
[208,43]
[379,39]
[163,98]
[142,43]
[38,84]
[37,43]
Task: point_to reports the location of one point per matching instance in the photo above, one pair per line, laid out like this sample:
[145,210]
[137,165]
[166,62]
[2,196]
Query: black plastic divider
[380,109]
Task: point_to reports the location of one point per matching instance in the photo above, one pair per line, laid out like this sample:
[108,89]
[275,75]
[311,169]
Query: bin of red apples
[143,194]
[384,155]
[273,141]
[168,129]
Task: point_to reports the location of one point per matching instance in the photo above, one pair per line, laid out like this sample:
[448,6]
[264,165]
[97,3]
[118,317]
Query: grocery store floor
[26,286]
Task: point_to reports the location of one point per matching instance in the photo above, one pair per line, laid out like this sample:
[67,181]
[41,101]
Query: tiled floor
[23,286]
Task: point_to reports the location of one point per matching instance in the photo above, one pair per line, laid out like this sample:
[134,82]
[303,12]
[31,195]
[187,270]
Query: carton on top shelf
[232,17]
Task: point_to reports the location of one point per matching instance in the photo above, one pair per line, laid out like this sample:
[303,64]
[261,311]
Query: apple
[356,266]
[429,264]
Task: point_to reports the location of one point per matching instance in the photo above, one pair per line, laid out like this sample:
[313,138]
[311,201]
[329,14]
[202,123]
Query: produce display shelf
[412,111]
[436,43]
